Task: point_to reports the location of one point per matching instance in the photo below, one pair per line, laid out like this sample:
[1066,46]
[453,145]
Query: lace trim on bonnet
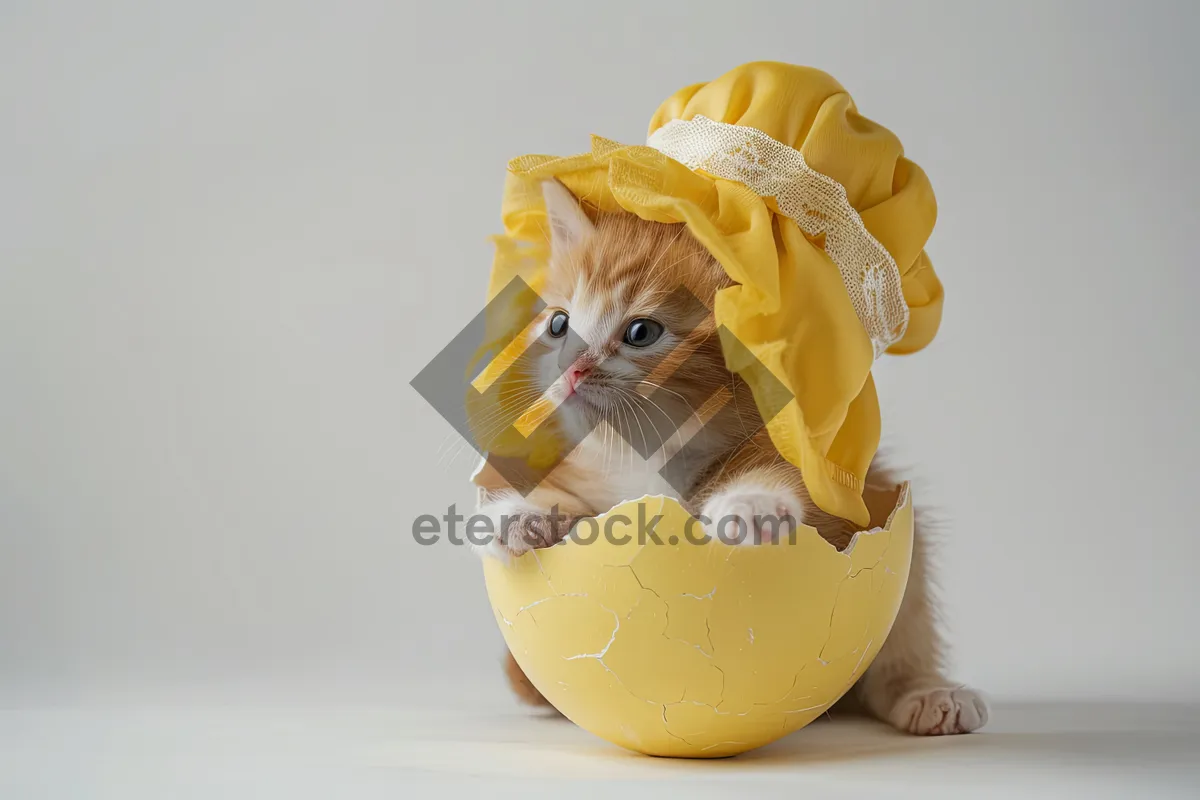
[816,203]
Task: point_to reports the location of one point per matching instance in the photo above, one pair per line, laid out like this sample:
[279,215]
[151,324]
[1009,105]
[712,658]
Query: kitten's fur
[619,269]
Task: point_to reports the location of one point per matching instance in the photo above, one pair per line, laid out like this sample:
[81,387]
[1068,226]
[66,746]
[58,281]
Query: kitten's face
[628,302]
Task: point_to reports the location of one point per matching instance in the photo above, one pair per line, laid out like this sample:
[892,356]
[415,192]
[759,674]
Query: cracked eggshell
[700,649]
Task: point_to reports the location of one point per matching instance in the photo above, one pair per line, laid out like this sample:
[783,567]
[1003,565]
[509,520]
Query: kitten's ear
[569,226]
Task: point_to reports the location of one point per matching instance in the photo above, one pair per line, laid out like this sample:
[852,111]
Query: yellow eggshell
[699,649]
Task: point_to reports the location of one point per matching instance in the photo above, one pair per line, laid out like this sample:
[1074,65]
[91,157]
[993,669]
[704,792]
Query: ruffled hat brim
[789,311]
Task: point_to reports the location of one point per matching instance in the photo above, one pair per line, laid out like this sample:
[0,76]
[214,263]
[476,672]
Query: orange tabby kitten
[618,321]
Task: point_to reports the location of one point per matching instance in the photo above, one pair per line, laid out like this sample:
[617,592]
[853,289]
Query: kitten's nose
[575,374]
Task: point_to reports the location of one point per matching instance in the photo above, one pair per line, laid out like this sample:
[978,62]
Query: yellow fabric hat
[810,208]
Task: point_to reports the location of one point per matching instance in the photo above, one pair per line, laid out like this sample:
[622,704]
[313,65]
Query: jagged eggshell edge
[700,649]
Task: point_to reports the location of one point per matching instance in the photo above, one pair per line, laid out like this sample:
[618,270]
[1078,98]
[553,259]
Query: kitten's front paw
[941,711]
[517,528]
[751,515]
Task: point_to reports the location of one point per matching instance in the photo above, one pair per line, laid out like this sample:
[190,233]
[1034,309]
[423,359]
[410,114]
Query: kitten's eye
[643,332]
[558,324]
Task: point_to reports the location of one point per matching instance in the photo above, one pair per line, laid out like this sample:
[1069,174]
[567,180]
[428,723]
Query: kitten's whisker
[662,443]
[622,433]
[677,426]
[636,412]
[660,387]
[633,413]
[497,420]
[608,432]
[511,408]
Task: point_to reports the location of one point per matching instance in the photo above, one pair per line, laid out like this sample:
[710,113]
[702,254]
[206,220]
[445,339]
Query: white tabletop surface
[481,741]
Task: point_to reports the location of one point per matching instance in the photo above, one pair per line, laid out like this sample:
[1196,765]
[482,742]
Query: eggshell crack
[700,649]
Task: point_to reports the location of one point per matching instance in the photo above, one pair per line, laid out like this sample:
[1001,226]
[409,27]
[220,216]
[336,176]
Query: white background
[232,232]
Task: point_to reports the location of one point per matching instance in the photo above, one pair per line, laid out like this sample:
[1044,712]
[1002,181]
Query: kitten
[627,300]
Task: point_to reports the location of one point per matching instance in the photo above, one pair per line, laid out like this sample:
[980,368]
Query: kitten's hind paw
[941,711]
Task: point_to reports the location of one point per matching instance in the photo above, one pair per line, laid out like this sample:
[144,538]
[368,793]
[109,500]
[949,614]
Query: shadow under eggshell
[705,649]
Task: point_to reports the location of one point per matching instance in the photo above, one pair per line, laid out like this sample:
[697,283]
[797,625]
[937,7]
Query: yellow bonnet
[811,209]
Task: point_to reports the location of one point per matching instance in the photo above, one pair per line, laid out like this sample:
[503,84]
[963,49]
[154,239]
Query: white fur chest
[610,471]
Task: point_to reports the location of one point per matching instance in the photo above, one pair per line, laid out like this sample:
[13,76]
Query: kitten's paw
[941,711]
[517,528]
[751,515]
